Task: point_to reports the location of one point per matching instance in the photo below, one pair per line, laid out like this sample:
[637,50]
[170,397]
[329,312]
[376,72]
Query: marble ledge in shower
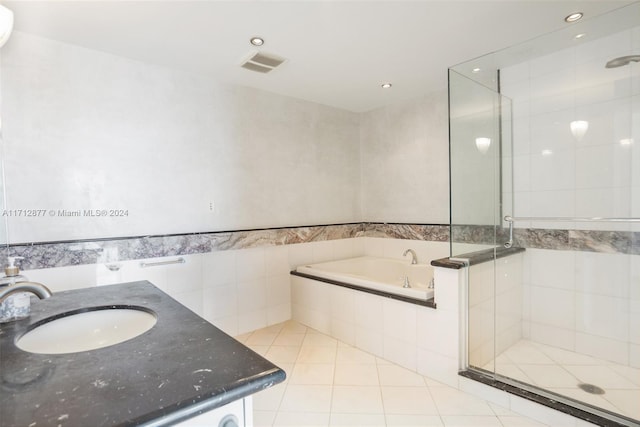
[474,258]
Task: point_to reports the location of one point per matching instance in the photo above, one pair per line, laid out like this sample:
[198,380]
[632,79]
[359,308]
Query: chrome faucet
[414,257]
[38,289]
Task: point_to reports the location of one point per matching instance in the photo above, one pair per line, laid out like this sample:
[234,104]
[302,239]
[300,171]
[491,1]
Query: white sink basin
[88,330]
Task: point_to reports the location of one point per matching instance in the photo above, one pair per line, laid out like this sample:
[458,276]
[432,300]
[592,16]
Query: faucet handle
[406,282]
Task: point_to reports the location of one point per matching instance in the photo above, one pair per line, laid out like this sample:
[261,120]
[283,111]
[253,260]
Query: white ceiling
[339,52]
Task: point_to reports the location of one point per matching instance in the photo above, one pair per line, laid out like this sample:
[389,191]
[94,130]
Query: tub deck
[379,276]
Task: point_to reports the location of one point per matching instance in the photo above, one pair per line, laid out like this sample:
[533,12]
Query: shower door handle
[509,243]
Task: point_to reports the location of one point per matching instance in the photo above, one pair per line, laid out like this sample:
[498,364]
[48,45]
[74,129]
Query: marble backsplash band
[60,254]
[428,232]
[622,242]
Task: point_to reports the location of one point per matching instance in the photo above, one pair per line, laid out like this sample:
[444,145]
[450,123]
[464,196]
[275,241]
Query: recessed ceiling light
[256,41]
[626,141]
[579,36]
[547,152]
[386,85]
[574,17]
[476,70]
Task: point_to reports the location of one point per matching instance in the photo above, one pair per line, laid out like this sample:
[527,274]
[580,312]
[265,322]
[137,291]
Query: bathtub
[384,276]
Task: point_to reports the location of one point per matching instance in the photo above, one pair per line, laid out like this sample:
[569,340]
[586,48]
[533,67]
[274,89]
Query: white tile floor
[330,383]
[561,371]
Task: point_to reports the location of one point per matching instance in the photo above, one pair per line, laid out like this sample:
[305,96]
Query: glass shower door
[480,134]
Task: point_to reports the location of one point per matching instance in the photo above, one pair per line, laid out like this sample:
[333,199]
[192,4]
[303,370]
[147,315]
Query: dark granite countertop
[181,367]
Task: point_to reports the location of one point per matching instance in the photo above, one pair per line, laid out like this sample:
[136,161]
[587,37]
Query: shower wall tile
[607,202]
[552,269]
[522,172]
[549,204]
[603,274]
[634,276]
[605,90]
[598,289]
[603,348]
[634,322]
[553,307]
[553,335]
[547,104]
[614,45]
[602,316]
[634,355]
[568,85]
[603,166]
[553,172]
[549,63]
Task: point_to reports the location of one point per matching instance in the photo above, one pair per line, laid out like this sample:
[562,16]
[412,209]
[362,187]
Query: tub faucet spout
[414,257]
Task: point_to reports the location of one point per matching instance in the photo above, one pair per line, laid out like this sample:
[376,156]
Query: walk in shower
[545,206]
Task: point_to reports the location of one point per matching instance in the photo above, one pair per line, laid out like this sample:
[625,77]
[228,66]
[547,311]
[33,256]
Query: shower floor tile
[561,371]
[330,383]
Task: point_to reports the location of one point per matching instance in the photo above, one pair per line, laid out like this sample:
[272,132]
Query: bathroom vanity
[181,371]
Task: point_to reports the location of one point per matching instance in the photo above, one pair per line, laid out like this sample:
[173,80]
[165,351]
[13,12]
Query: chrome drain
[590,388]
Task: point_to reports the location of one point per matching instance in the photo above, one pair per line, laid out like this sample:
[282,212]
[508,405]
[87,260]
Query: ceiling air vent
[262,62]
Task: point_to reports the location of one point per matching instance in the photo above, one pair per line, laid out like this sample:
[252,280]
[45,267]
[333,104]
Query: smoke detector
[262,62]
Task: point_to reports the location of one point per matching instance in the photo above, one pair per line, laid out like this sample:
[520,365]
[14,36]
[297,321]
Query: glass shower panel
[474,131]
[480,132]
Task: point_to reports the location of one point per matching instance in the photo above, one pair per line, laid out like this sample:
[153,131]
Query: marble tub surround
[59,254]
[181,367]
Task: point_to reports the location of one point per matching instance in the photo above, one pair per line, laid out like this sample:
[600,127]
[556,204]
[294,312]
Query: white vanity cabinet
[234,414]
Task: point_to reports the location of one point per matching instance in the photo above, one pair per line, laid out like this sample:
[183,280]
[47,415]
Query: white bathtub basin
[381,274]
[89,330]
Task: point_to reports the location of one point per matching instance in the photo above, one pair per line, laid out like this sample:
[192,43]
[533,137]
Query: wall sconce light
[6,24]
[483,144]
[626,141]
[579,128]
